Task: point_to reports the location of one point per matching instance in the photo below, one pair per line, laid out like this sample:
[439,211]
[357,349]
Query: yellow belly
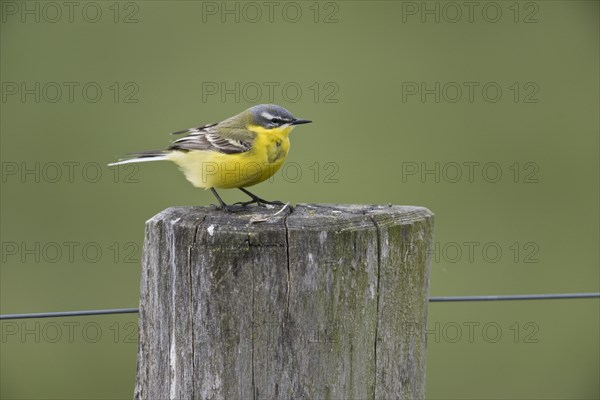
[209,169]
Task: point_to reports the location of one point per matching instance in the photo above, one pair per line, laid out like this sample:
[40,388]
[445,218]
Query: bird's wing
[198,128]
[207,138]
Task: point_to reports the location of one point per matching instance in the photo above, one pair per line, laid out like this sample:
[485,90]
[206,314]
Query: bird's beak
[299,121]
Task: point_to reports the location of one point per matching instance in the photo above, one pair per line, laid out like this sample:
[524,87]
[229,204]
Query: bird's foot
[244,203]
[233,208]
[260,203]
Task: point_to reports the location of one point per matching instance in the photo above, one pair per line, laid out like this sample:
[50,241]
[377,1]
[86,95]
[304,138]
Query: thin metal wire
[550,296]
[71,313]
[434,299]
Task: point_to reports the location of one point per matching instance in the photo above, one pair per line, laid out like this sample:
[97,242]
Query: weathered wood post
[325,302]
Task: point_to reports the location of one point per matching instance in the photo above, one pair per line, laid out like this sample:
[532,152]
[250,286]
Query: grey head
[273,116]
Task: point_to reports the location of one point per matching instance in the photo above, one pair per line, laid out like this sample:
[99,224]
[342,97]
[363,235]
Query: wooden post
[325,302]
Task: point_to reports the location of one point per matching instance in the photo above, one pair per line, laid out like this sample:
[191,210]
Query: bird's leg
[257,200]
[222,205]
[221,202]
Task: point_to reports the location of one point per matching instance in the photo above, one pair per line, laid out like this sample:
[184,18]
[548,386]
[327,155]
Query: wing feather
[198,128]
[207,138]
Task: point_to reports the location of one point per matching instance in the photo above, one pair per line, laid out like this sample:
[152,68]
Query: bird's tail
[142,156]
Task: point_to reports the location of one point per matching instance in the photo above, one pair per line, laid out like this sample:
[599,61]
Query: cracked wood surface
[327,301]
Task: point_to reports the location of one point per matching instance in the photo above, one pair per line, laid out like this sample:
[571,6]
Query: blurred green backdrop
[486,113]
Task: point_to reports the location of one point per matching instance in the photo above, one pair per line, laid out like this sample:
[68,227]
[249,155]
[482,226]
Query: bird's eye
[274,120]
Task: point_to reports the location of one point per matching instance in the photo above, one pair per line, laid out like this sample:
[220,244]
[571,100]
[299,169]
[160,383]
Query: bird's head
[271,117]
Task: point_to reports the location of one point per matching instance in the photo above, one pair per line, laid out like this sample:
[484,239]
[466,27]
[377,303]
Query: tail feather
[142,156]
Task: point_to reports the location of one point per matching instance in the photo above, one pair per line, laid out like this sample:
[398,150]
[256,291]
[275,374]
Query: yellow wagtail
[238,152]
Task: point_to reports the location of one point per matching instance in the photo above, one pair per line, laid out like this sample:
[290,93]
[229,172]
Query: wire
[434,299]
[71,313]
[551,296]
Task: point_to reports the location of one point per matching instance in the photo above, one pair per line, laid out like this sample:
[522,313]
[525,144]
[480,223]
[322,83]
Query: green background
[367,132]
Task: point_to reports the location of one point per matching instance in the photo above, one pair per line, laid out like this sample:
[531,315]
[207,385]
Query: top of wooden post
[307,216]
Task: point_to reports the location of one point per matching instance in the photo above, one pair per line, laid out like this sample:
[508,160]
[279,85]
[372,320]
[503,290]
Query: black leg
[221,202]
[222,205]
[257,200]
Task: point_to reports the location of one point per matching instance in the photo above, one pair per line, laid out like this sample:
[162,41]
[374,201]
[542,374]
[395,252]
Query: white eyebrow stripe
[267,115]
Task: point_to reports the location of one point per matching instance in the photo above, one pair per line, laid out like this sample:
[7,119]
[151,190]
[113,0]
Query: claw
[233,209]
[259,203]
[244,203]
[229,208]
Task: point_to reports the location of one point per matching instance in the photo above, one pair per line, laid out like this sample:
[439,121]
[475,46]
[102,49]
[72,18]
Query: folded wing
[208,138]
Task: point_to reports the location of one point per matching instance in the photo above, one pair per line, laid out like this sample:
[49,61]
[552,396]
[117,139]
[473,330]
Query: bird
[237,152]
